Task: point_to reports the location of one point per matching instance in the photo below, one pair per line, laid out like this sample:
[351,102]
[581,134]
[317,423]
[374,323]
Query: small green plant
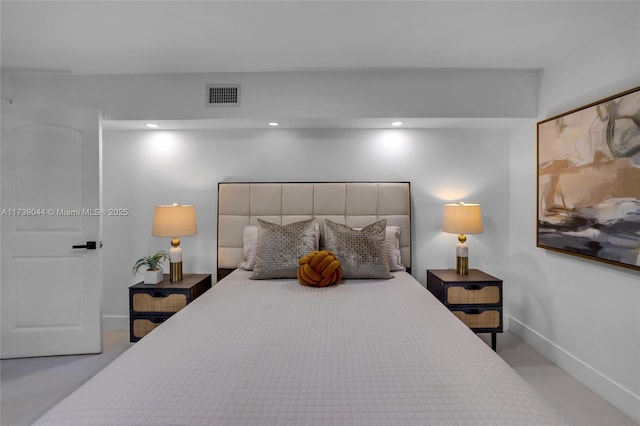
[152,263]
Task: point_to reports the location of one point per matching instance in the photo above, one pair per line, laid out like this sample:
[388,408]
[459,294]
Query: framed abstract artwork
[589,181]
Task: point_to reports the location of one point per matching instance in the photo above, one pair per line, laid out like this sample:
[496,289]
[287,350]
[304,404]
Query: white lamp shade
[462,218]
[174,221]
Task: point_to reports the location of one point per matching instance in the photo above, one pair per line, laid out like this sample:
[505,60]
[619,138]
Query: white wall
[583,315]
[281,95]
[140,170]
[145,168]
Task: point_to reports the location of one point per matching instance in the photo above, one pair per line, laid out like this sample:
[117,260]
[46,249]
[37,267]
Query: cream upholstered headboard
[356,204]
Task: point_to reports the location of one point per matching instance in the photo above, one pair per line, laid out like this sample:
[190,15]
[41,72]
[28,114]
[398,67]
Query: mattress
[273,352]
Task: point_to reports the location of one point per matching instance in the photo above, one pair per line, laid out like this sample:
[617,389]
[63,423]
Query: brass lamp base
[175,271]
[462,265]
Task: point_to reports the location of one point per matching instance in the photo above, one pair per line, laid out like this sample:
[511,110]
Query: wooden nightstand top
[188,281]
[450,275]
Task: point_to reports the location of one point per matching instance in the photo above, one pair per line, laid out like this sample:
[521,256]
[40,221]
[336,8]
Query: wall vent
[223,95]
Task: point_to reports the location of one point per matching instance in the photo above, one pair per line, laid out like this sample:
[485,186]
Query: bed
[366,351]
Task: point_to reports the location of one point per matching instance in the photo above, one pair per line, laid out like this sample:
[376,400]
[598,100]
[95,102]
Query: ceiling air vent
[223,95]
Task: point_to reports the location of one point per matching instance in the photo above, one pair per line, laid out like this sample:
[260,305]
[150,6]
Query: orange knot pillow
[319,269]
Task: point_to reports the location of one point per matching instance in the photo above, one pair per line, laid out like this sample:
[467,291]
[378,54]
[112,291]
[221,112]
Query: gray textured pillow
[279,247]
[361,252]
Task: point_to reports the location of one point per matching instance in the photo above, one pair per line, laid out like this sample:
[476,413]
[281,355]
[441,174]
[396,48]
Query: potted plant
[153,272]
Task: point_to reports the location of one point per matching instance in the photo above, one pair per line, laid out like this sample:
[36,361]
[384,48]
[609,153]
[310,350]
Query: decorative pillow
[361,252]
[249,245]
[392,243]
[319,269]
[279,247]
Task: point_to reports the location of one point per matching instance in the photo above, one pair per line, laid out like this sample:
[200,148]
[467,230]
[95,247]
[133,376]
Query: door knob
[91,245]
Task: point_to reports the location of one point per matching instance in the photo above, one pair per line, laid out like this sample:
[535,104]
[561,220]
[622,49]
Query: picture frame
[588,181]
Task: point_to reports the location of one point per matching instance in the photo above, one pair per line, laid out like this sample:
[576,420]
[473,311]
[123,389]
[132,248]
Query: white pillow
[392,243]
[249,244]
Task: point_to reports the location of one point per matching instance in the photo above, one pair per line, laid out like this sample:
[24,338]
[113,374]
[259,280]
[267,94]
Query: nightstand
[476,299]
[152,304]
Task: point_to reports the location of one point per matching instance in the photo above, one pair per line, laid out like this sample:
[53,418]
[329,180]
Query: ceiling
[123,37]
[159,37]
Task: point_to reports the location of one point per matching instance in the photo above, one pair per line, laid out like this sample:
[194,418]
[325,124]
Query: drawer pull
[473,311]
[159,294]
[473,287]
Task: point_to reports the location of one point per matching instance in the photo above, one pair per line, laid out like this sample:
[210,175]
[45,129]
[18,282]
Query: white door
[51,196]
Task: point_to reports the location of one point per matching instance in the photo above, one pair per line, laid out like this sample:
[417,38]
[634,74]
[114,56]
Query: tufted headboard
[356,204]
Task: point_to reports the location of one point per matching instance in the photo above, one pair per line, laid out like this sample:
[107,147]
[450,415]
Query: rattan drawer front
[148,302]
[485,319]
[142,327]
[458,295]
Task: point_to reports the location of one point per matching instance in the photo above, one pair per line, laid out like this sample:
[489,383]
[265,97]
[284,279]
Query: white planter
[153,277]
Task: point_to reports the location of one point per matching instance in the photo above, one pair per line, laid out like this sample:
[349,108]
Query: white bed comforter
[276,353]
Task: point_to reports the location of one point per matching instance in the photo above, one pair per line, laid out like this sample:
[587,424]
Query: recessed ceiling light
[152,125]
[274,124]
[397,123]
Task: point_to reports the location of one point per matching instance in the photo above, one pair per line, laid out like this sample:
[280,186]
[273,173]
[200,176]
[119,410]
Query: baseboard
[505,319]
[115,322]
[611,391]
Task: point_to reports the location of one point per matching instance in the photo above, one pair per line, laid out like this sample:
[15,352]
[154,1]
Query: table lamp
[174,221]
[462,219]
